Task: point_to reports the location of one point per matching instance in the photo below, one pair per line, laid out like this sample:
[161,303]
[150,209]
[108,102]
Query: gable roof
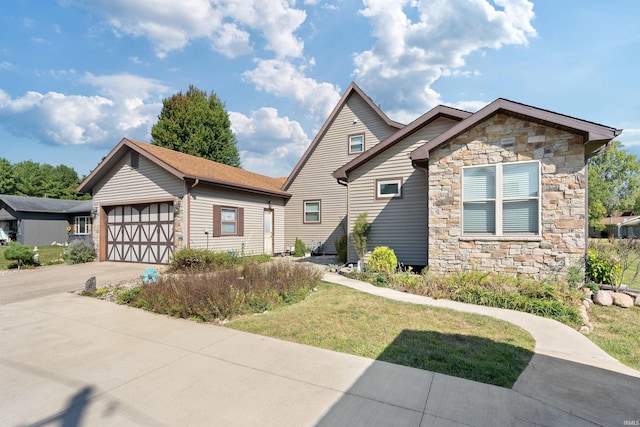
[594,135]
[185,166]
[391,140]
[353,88]
[45,205]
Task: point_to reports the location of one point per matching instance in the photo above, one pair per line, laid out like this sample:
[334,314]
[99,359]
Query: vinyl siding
[399,223]
[314,180]
[127,185]
[202,200]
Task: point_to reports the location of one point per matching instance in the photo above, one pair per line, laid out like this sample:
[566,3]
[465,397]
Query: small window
[388,188]
[356,144]
[312,211]
[229,221]
[82,225]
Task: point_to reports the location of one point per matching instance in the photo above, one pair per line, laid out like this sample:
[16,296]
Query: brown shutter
[217,221]
[240,221]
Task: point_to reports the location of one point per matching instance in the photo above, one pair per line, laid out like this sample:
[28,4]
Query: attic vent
[135,160]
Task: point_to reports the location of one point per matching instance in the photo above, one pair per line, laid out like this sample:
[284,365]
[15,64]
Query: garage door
[140,233]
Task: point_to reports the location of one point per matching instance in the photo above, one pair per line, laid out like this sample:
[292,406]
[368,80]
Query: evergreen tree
[196,124]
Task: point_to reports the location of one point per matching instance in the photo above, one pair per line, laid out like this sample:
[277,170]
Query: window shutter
[240,221]
[217,221]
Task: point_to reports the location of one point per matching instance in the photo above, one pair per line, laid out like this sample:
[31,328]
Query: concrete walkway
[568,371]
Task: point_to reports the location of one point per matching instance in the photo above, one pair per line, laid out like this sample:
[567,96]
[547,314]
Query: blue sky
[76,76]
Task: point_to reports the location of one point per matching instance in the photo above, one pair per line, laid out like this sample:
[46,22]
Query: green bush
[602,267]
[23,255]
[299,249]
[341,249]
[79,252]
[383,260]
[361,230]
[205,260]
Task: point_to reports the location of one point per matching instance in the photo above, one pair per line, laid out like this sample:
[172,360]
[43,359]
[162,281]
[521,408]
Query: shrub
[79,252]
[299,249]
[361,230]
[341,249]
[383,259]
[204,260]
[602,266]
[23,255]
[575,276]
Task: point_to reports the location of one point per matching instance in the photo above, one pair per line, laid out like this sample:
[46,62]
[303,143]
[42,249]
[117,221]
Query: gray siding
[202,200]
[126,184]
[314,180]
[400,223]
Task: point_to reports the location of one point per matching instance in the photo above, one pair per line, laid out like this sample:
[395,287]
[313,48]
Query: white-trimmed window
[501,199]
[312,211]
[82,225]
[356,144]
[388,188]
[229,221]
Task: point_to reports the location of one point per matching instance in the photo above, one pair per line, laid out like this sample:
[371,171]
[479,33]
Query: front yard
[49,255]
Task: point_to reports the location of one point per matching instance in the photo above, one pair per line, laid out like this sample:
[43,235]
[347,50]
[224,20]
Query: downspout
[195,183]
[346,184]
[426,174]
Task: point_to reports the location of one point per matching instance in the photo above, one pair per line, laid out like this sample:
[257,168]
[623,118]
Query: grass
[627,278]
[49,255]
[465,345]
[616,332]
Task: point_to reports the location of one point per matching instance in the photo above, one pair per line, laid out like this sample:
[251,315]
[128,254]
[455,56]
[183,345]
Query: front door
[268,231]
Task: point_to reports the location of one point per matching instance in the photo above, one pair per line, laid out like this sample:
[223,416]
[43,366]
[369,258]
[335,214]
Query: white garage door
[140,233]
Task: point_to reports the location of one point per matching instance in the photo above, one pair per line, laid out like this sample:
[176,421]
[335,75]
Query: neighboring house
[37,221]
[507,190]
[150,201]
[383,183]
[622,224]
[318,206]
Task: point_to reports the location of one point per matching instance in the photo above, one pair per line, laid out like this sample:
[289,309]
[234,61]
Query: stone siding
[505,139]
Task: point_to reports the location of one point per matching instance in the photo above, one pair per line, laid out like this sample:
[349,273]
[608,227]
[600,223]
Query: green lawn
[48,255]
[616,332]
[628,278]
[465,345]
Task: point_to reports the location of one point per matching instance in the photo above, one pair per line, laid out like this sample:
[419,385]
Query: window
[356,144]
[388,188]
[311,211]
[501,199]
[82,225]
[228,221]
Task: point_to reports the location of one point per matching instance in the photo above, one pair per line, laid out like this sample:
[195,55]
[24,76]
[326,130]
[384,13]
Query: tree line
[33,179]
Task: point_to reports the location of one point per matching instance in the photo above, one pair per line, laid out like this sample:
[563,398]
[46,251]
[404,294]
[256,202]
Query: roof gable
[391,140]
[45,205]
[594,135]
[351,90]
[185,166]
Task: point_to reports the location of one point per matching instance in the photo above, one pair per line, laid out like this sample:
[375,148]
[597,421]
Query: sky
[76,76]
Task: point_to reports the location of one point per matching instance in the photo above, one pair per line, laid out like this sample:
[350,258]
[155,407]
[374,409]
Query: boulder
[622,300]
[603,298]
[90,285]
[584,330]
[637,303]
[587,292]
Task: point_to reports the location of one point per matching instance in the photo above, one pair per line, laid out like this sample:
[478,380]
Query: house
[150,201]
[317,208]
[622,224]
[37,221]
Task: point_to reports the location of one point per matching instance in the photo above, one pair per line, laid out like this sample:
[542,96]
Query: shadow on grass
[465,356]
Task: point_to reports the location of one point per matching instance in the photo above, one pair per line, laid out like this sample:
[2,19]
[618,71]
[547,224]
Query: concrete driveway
[26,284]
[76,361]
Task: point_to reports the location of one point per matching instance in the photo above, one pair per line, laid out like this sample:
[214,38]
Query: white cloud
[127,105]
[4,65]
[267,143]
[630,138]
[227,24]
[283,79]
[408,57]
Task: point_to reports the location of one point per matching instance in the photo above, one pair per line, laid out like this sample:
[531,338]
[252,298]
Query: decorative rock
[637,303]
[622,300]
[90,285]
[584,330]
[587,303]
[587,292]
[589,325]
[603,298]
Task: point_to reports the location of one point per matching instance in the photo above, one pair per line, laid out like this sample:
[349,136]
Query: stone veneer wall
[502,139]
